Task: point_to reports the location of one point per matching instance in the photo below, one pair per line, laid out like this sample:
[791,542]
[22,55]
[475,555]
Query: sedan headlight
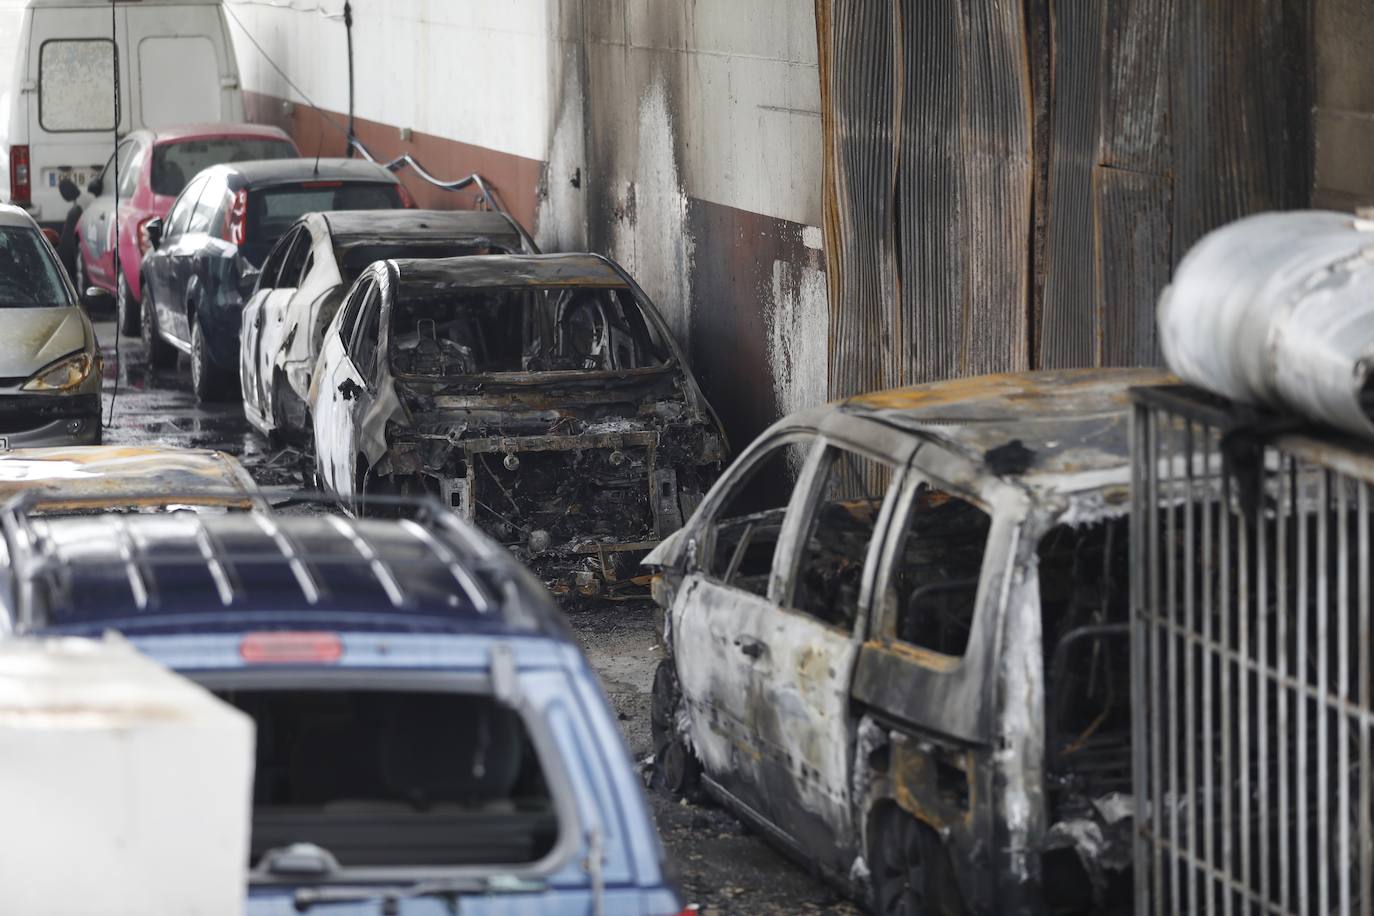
[68,372]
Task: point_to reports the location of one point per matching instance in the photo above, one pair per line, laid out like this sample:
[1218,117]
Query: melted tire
[677,771]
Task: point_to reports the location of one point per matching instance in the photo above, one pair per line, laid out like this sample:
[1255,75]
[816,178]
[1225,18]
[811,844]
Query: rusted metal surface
[91,477]
[1001,768]
[1008,186]
[1253,691]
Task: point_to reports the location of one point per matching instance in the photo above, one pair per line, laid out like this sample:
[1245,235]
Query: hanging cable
[114,160]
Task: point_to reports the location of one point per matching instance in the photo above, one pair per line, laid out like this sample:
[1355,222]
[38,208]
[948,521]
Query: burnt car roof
[267,172]
[192,572]
[404,225]
[578,269]
[1068,423]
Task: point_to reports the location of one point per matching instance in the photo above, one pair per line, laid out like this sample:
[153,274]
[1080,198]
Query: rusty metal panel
[1070,329]
[928,126]
[1241,110]
[1132,247]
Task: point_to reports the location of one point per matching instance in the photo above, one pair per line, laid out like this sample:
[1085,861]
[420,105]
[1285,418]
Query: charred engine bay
[579,476]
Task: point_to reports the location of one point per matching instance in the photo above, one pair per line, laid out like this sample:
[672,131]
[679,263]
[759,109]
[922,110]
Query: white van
[176,66]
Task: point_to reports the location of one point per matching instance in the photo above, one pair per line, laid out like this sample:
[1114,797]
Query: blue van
[429,737]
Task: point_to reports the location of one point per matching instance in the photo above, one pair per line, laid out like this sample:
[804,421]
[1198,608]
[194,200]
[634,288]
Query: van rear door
[184,65]
[68,80]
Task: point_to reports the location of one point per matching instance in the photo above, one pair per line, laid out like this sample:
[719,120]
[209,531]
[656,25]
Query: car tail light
[52,236]
[145,244]
[236,220]
[285,648]
[407,199]
[21,185]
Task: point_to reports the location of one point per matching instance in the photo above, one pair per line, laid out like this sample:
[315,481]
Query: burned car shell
[822,736]
[638,446]
[302,284]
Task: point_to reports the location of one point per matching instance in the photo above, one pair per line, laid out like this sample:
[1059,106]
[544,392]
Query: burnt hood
[33,338]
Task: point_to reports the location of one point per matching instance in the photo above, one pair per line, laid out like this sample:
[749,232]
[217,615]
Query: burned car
[305,277]
[543,396]
[897,643]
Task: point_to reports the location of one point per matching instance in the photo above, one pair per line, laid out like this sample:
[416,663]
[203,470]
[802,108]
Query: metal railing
[489,195]
[1251,662]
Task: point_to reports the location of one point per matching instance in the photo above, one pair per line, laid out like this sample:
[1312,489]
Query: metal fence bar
[1304,899]
[1156,793]
[1342,647]
[1322,609]
[1226,699]
[1262,683]
[1285,736]
[1195,876]
[1366,858]
[1208,698]
[1243,682]
[1171,658]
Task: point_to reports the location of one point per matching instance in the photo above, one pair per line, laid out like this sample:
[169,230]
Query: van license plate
[81,177]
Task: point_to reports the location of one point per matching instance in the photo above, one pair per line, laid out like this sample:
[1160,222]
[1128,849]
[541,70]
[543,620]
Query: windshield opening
[445,332]
[29,274]
[272,211]
[382,778]
[354,259]
[175,164]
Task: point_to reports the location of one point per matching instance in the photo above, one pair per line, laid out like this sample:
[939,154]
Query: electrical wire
[114,161]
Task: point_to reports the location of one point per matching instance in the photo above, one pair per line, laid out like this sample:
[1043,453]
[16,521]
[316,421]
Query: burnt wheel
[899,874]
[157,351]
[676,768]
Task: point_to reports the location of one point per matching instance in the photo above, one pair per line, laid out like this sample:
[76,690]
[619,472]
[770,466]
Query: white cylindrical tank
[124,788]
[1279,309]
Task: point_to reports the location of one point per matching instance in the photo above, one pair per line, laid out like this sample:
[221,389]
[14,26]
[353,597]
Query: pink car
[154,166]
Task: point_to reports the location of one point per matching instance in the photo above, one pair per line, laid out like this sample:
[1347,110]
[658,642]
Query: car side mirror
[96,186]
[99,298]
[68,189]
[154,229]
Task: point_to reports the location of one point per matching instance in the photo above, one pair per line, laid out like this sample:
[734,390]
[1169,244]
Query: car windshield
[446,332]
[354,258]
[272,211]
[175,164]
[382,778]
[30,276]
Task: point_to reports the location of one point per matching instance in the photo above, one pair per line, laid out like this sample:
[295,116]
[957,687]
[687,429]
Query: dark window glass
[365,339]
[174,164]
[180,213]
[436,331]
[29,274]
[935,580]
[383,778]
[76,85]
[746,528]
[830,569]
[293,268]
[271,211]
[208,205]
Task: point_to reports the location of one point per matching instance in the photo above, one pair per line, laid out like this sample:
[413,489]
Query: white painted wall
[478,71]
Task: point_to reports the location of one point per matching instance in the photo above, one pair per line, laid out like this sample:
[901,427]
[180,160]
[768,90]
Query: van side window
[934,581]
[745,529]
[829,572]
[76,85]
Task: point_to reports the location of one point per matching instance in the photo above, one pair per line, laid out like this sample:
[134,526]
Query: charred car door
[250,331]
[943,646]
[292,252]
[347,374]
[721,617]
[809,643]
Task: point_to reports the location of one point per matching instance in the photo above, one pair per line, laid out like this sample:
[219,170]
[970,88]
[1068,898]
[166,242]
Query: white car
[49,359]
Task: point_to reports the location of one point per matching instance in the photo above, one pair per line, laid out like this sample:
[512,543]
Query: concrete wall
[682,139]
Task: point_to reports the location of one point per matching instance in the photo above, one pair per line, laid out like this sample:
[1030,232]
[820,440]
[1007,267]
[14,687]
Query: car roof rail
[477,565]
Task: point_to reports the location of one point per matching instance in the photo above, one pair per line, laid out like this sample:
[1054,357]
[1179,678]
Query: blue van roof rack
[149,553]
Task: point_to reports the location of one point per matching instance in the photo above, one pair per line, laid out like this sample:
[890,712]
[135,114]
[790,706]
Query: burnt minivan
[897,643]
